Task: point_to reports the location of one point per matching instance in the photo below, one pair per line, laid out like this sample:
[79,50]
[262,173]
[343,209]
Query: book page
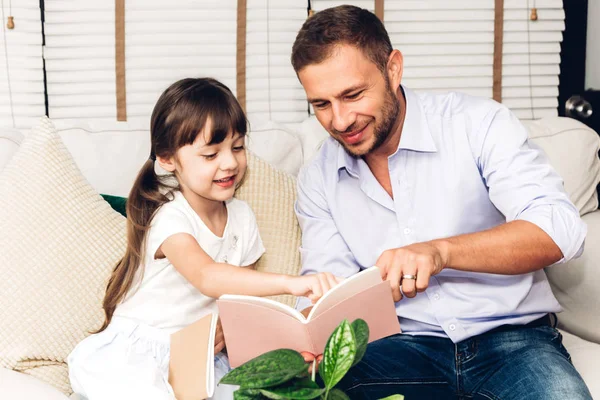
[347,288]
[251,329]
[374,305]
[264,302]
[191,367]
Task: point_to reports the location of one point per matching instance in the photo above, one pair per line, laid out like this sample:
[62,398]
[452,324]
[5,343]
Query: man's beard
[382,130]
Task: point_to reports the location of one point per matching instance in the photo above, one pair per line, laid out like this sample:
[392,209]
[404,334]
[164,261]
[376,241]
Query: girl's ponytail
[144,199]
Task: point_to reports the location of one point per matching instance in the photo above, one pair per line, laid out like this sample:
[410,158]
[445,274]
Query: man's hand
[219,338]
[421,260]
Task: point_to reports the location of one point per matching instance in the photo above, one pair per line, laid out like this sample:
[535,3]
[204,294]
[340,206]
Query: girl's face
[209,173]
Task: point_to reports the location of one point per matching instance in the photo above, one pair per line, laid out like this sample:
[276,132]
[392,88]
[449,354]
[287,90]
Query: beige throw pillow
[59,240]
[271,195]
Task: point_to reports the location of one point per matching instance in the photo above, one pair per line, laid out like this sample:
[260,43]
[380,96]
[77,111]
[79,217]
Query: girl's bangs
[210,104]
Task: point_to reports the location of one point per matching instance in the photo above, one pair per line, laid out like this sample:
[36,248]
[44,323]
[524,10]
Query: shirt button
[452,327]
[406,231]
[436,296]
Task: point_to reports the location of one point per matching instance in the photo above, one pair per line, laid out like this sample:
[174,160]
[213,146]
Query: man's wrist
[443,248]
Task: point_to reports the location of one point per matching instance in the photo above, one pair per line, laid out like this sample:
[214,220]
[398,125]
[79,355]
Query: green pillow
[117,203]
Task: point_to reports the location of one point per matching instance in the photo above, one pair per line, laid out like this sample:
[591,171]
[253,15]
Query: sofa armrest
[16,385]
[576,285]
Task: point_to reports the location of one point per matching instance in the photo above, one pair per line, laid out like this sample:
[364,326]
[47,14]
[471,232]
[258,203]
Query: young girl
[187,239]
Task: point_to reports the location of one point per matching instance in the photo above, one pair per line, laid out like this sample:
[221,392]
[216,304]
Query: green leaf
[337,394]
[361,335]
[247,394]
[394,397]
[270,369]
[338,355]
[296,389]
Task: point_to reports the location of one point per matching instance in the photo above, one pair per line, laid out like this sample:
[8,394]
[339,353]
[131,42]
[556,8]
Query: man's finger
[382,263]
[409,284]
[394,278]
[423,279]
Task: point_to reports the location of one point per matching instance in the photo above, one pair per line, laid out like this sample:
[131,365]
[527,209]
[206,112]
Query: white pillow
[16,385]
[277,144]
[10,139]
[312,135]
[109,154]
[572,149]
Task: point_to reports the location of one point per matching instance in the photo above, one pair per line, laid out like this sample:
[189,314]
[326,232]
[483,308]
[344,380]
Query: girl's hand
[312,286]
[219,338]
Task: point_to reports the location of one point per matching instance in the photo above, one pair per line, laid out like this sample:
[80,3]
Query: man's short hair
[340,25]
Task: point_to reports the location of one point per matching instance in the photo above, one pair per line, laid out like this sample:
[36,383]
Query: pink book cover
[254,325]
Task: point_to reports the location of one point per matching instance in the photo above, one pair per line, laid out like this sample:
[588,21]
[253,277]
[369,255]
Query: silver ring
[408,276]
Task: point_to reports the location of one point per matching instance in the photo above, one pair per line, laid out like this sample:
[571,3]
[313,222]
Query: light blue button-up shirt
[463,165]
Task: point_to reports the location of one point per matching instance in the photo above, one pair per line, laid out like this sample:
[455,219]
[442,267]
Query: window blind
[273,91]
[448,46]
[21,65]
[164,42]
[318,5]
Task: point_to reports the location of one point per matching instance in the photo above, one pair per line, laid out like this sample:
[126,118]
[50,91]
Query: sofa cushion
[16,385]
[575,285]
[271,195]
[313,135]
[585,356]
[572,149]
[59,240]
[109,154]
[276,144]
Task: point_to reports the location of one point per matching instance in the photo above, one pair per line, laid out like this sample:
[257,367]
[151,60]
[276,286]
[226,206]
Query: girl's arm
[215,279]
[251,266]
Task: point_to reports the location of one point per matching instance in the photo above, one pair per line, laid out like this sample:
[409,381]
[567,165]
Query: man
[445,195]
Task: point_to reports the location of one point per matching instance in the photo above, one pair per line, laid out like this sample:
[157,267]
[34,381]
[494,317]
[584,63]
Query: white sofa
[110,154]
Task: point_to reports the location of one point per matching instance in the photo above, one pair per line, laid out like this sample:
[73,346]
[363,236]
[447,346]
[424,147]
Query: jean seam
[397,382]
[487,395]
[457,368]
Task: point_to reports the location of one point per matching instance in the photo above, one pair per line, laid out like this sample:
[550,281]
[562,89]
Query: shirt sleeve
[523,185]
[254,247]
[167,222]
[323,247]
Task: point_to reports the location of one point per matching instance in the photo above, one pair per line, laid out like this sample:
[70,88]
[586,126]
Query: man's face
[352,99]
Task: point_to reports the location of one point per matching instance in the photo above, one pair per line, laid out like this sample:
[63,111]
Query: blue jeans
[512,363]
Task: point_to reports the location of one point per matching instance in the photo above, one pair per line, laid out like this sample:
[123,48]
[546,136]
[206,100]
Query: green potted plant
[283,374]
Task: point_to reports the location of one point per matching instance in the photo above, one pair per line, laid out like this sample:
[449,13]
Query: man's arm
[323,248]
[543,226]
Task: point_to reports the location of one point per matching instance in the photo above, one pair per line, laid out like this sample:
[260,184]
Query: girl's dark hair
[335,26]
[180,114]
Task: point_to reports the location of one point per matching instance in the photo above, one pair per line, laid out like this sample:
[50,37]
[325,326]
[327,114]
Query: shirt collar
[415,131]
[416,135]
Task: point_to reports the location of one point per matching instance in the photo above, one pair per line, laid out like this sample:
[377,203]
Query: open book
[254,325]
[191,368]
